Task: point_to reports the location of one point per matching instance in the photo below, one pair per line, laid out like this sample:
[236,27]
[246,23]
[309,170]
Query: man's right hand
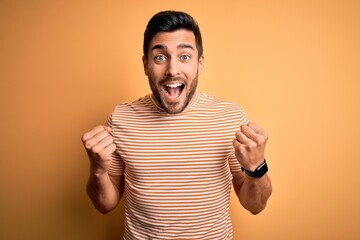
[99,145]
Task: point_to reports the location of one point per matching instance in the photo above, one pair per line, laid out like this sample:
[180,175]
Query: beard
[176,107]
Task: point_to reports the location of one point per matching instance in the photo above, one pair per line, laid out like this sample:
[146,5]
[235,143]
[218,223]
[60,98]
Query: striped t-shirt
[177,167]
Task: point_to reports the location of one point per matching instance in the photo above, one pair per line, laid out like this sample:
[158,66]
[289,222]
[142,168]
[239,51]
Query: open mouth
[174,90]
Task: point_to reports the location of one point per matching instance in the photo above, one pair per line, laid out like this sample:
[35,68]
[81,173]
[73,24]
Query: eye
[159,58]
[185,57]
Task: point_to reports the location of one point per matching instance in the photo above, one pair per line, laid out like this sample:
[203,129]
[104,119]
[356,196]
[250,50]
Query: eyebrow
[163,47]
[184,45]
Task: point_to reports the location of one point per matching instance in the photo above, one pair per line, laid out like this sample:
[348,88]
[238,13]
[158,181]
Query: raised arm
[105,191]
[249,144]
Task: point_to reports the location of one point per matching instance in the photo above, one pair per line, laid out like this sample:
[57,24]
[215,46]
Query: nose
[172,68]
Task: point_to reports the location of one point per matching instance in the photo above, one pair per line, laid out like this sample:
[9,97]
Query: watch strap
[259,171]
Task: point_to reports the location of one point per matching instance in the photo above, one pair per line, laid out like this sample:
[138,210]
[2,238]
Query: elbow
[256,211]
[258,208]
[101,205]
[103,210]
[255,206]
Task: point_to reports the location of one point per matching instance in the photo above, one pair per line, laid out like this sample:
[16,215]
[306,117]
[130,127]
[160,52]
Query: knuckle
[113,147]
[96,150]
[236,143]
[252,145]
[110,138]
[86,136]
[259,139]
[88,145]
[83,138]
[105,157]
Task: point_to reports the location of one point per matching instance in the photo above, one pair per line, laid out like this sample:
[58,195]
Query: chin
[173,107]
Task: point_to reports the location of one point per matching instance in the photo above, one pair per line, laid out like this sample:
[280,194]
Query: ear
[201,64]
[145,64]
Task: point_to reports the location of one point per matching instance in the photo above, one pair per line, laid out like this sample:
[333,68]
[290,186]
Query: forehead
[173,39]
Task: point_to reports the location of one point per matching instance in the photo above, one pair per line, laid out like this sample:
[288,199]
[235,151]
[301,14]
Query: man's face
[173,66]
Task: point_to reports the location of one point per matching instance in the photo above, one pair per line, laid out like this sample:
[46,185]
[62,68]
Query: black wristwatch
[259,171]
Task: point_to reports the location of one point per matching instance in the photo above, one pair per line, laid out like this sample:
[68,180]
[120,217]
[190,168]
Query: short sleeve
[233,162]
[118,165]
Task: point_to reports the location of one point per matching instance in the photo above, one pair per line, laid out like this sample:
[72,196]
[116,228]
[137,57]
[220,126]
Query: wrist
[259,171]
[98,173]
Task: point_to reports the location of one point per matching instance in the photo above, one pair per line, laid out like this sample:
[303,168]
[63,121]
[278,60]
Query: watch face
[262,169]
[261,166]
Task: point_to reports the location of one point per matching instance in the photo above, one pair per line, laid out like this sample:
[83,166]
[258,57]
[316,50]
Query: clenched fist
[99,145]
[249,145]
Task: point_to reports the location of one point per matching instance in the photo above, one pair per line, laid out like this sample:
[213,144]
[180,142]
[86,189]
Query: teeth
[174,85]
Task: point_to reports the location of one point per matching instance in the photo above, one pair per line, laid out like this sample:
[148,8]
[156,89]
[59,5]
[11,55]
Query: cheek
[156,72]
[191,71]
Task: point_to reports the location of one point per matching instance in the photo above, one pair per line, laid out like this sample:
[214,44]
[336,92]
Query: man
[175,153]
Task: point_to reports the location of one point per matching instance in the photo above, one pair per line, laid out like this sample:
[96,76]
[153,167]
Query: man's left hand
[249,145]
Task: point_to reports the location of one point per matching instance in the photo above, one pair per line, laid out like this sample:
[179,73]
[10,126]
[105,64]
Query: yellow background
[293,65]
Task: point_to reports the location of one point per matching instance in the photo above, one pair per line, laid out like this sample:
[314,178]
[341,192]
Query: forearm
[254,193]
[102,192]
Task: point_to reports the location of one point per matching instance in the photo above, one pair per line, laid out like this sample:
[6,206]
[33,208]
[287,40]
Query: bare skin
[249,145]
[104,190]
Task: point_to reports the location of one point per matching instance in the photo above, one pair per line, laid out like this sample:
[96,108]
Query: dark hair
[168,21]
